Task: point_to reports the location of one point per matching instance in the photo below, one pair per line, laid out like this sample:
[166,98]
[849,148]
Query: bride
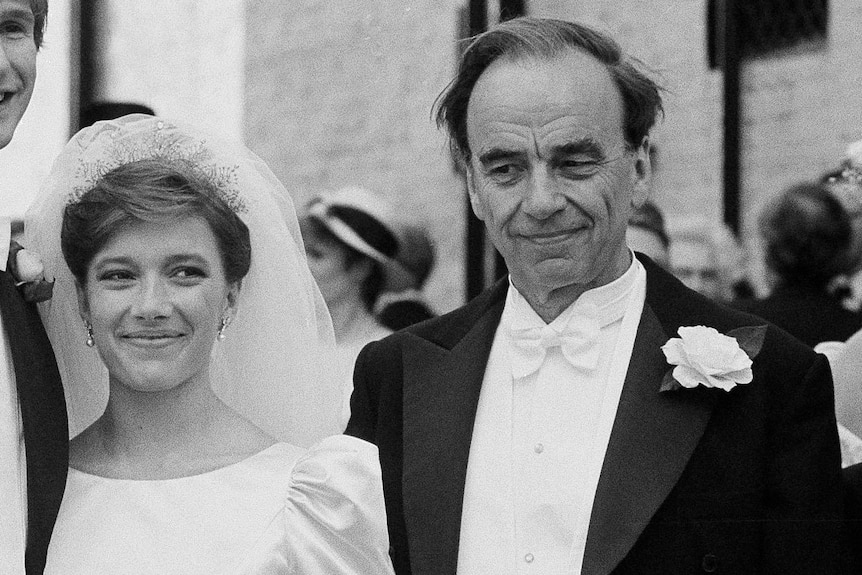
[190,336]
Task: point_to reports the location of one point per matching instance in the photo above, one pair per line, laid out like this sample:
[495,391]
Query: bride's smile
[155,297]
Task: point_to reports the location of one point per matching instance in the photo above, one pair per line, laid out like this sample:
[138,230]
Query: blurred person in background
[703,256]
[806,234]
[397,310]
[106,110]
[646,233]
[34,441]
[352,248]
[846,184]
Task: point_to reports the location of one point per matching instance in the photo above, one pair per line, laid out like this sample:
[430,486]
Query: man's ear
[475,202]
[359,269]
[642,174]
[83,304]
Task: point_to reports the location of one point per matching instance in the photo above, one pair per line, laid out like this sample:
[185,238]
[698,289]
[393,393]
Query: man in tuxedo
[542,428]
[33,429]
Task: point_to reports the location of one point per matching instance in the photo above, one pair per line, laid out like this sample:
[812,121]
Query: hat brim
[395,276]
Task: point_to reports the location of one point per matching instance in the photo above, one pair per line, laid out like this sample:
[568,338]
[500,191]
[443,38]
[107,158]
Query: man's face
[17,64]
[550,173]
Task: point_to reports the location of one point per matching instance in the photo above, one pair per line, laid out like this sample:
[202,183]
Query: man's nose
[153,300]
[4,60]
[543,196]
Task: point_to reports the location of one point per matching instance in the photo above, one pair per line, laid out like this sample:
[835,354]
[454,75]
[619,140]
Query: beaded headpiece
[847,186]
[164,141]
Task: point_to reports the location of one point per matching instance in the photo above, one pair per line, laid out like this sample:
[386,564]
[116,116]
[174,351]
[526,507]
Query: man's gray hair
[548,38]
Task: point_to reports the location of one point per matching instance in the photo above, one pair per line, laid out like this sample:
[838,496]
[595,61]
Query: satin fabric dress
[282,510]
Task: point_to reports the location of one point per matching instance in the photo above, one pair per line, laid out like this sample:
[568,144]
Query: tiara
[850,175]
[163,141]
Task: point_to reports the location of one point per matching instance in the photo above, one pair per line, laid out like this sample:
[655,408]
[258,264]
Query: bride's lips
[153,338]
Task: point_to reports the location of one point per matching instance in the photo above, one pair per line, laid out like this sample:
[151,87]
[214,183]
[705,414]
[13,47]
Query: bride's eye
[189,272]
[116,276]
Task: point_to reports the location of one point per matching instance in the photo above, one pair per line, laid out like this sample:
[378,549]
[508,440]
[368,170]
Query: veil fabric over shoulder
[271,367]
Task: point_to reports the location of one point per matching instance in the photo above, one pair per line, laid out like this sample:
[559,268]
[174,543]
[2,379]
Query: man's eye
[579,168]
[15,30]
[505,173]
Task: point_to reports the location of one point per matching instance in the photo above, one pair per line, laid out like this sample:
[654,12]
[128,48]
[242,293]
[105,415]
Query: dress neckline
[275,447]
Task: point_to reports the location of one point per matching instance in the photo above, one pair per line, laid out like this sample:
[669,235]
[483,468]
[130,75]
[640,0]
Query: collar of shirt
[576,330]
[5,240]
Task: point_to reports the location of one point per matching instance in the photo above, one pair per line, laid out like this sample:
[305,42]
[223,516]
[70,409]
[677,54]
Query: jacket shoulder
[447,329]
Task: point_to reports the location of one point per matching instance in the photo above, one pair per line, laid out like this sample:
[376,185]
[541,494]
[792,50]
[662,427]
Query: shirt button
[539,448]
[709,563]
[529,557]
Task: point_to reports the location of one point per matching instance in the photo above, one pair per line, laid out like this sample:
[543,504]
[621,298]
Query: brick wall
[183,58]
[339,92]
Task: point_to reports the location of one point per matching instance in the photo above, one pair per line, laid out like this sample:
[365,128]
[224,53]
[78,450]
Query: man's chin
[5,136]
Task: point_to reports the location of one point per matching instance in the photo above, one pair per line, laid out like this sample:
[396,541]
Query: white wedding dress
[283,510]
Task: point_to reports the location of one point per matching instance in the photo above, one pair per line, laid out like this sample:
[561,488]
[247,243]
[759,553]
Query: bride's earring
[224,321]
[90,341]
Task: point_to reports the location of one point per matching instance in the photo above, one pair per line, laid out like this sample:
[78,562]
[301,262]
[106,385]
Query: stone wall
[339,93]
[183,58]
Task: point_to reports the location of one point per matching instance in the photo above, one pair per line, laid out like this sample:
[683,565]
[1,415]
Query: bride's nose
[152,301]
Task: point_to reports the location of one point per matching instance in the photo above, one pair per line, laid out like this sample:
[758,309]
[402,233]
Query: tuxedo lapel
[441,395]
[653,437]
[43,415]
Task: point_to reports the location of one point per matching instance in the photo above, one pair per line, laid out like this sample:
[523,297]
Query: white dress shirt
[539,440]
[13,471]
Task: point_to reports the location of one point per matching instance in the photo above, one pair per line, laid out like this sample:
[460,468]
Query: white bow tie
[577,339]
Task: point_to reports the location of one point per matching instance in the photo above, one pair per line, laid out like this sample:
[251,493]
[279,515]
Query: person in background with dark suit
[397,310]
[96,111]
[806,235]
[646,233]
[34,440]
[589,413]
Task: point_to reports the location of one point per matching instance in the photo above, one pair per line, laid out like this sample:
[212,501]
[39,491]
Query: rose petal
[688,377]
[741,376]
[724,383]
[29,266]
[673,351]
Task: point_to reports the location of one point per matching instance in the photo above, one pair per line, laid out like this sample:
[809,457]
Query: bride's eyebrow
[112,261]
[195,258]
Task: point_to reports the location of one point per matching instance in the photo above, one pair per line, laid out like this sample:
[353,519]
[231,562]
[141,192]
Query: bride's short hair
[151,190]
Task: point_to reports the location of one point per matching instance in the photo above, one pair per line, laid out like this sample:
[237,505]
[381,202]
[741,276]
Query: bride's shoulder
[340,463]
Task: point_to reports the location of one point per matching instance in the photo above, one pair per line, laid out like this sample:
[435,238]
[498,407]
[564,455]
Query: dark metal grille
[767,26]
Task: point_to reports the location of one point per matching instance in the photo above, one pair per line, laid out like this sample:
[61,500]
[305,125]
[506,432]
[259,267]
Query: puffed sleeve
[334,520]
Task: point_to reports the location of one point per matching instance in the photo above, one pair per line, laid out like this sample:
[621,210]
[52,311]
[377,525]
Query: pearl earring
[224,322]
[90,341]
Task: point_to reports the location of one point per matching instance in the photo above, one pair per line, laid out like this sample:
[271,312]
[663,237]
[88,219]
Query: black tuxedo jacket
[43,415]
[746,481]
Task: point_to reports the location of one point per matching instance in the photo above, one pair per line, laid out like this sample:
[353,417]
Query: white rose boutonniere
[26,268]
[704,356]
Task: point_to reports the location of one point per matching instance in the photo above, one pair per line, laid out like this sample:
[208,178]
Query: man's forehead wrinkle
[494,153]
